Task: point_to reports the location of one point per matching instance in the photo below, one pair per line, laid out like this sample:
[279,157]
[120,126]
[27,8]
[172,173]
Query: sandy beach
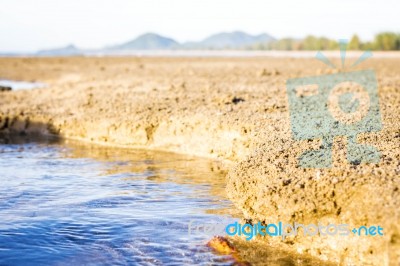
[234,111]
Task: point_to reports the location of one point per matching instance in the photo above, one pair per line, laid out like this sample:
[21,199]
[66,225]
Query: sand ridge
[231,109]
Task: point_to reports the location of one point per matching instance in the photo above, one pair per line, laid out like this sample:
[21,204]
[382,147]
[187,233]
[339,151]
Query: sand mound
[235,110]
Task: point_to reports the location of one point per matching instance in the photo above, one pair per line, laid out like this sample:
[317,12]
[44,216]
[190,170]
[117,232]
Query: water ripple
[64,204]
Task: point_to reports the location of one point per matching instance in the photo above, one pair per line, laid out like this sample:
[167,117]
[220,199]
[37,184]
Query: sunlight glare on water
[66,204]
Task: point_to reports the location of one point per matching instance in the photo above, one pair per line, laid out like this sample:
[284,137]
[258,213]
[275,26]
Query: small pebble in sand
[5,88]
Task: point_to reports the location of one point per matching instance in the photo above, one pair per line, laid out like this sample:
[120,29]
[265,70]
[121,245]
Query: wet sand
[234,110]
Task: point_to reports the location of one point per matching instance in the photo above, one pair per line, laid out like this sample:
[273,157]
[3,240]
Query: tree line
[385,41]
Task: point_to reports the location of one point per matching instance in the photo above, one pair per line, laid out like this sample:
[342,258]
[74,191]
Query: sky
[31,25]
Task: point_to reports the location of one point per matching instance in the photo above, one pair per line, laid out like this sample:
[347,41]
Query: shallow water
[66,204]
[20,85]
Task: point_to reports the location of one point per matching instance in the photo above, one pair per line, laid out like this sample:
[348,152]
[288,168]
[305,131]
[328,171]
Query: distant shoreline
[217,53]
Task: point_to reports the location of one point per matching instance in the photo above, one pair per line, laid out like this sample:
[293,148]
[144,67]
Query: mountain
[152,41]
[64,51]
[229,40]
[148,41]
[224,40]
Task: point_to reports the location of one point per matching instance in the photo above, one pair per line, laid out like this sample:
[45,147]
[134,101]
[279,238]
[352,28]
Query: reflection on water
[20,85]
[64,204]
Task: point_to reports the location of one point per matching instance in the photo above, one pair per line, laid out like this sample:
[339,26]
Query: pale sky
[30,25]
